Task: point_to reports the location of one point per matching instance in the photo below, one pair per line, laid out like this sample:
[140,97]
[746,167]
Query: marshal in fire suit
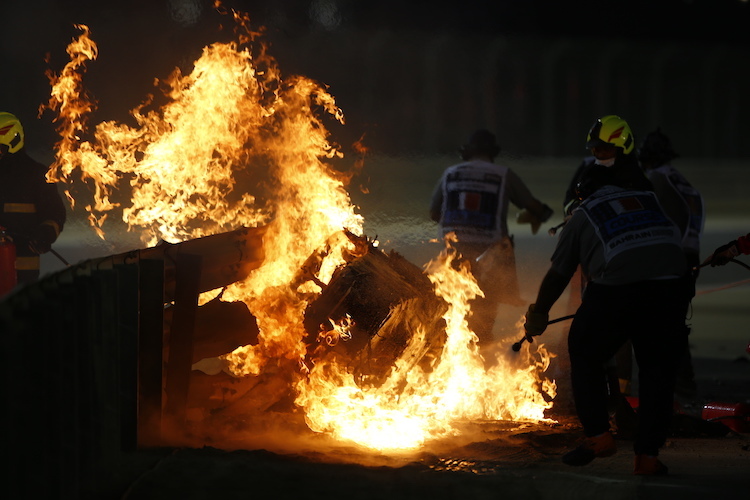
[31,209]
[471,202]
[632,254]
[611,143]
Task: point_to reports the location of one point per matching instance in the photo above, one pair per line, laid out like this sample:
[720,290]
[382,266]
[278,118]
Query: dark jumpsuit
[28,202]
[637,294]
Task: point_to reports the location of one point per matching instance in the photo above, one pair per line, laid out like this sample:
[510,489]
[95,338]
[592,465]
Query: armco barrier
[83,360]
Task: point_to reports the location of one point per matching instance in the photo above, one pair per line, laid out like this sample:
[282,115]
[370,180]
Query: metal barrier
[86,362]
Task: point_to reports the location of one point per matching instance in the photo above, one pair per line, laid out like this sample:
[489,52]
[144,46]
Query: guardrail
[88,353]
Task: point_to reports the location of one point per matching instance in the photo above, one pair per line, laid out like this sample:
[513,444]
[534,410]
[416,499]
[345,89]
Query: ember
[374,350]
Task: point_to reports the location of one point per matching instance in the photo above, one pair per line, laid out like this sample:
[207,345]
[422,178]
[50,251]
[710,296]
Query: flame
[341,331]
[412,406]
[233,145]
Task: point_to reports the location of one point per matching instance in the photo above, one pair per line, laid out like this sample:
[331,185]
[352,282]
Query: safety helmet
[611,129]
[11,132]
[480,142]
[656,149]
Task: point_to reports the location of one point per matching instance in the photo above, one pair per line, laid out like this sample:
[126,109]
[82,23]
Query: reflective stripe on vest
[19,208]
[27,263]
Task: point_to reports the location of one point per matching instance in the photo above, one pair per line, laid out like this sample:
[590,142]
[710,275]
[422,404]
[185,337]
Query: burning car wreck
[365,318]
[370,310]
[378,328]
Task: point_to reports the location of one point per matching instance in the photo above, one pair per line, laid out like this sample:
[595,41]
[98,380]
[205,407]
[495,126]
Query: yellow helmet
[611,129]
[11,132]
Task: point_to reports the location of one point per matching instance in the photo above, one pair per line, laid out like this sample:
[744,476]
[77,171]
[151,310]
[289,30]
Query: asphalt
[495,460]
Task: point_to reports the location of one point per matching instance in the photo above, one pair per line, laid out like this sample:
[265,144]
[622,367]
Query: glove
[724,254]
[41,238]
[526,217]
[535,323]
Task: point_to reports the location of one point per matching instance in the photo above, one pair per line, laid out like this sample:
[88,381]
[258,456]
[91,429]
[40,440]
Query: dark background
[417,77]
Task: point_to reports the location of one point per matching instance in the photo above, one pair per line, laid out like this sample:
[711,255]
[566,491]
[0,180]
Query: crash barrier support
[86,362]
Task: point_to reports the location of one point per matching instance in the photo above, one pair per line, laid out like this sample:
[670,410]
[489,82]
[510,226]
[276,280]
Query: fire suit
[31,210]
[628,174]
[632,253]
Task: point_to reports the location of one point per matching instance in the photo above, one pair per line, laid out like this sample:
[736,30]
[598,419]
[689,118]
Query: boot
[648,465]
[599,446]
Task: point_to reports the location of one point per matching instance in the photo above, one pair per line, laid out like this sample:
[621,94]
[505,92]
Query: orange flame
[412,406]
[189,169]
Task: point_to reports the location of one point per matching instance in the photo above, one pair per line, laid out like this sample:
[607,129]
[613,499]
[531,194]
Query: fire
[236,146]
[180,161]
[412,406]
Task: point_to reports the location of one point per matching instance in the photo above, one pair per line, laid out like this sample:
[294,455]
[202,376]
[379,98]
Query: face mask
[606,163]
